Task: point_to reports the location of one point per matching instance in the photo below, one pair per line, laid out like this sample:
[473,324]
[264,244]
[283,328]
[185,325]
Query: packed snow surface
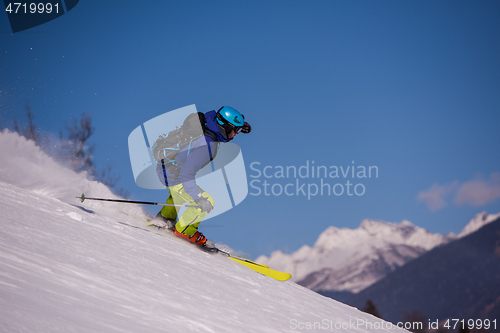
[67,266]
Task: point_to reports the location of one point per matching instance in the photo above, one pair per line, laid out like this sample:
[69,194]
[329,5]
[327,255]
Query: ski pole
[83,197]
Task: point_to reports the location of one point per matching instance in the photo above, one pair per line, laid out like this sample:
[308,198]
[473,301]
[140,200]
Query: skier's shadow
[84,209]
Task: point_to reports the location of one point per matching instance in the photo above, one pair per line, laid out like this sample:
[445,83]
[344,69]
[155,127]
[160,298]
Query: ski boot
[199,239]
[162,222]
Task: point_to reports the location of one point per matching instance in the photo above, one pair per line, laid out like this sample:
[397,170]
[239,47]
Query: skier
[179,177]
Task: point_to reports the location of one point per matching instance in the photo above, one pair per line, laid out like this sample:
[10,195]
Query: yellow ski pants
[191,218]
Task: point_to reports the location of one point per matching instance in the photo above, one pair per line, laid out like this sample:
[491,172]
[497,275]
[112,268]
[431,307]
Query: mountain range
[458,280]
[350,260]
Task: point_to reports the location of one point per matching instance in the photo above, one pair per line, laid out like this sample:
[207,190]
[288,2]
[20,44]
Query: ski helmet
[229,119]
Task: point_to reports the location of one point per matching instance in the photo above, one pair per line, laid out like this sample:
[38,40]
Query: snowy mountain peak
[477,222]
[378,231]
[345,259]
[366,252]
[381,228]
[379,225]
[372,225]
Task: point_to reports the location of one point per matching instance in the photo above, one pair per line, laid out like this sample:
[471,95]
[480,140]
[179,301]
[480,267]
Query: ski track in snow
[67,266]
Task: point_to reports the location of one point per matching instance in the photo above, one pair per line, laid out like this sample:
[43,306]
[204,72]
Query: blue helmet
[229,119]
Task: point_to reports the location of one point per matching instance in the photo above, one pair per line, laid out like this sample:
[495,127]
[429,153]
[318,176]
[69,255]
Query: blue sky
[409,87]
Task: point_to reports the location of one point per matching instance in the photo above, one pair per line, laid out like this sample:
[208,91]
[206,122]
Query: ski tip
[263,269]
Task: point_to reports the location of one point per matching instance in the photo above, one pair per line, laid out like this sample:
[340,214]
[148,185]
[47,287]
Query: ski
[262,269]
[259,268]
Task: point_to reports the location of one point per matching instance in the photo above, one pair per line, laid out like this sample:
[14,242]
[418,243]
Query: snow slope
[72,267]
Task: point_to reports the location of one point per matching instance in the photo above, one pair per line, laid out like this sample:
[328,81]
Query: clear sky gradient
[412,87]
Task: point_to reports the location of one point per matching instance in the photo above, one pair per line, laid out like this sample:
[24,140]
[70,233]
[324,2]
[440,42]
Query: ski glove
[246,128]
[204,205]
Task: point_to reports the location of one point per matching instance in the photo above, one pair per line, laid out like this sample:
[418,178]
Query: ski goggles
[230,127]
